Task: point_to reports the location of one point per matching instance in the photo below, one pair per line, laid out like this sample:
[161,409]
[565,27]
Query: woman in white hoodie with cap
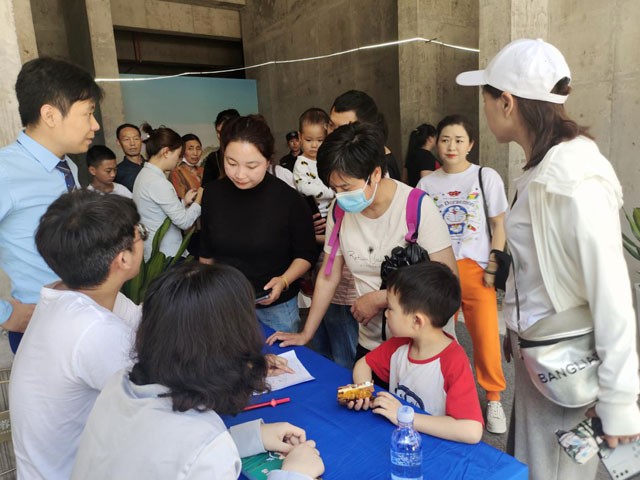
[563,231]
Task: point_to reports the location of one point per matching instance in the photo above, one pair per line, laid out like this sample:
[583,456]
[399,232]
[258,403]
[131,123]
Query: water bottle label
[406,466]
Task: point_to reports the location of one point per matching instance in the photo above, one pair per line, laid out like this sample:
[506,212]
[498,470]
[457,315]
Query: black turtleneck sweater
[259,231]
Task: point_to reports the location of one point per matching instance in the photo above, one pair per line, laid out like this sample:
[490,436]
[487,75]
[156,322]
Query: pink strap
[413,212]
[338,215]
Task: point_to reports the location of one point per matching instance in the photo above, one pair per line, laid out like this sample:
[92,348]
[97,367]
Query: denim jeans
[337,336]
[284,316]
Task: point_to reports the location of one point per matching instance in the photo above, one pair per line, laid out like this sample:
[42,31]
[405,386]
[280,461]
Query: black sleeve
[392,166]
[426,162]
[206,249]
[303,238]
[211,168]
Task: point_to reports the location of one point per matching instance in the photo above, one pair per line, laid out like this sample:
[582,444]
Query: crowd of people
[99,383]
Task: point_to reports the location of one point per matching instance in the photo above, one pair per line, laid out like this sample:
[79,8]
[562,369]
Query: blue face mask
[355,201]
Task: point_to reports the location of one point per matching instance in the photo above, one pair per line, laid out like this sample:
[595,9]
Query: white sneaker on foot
[496,420]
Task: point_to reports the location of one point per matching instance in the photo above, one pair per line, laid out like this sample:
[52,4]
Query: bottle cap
[405,414]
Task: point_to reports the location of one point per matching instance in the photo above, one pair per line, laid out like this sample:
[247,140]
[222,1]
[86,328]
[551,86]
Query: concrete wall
[289,29]
[428,90]
[606,82]
[178,17]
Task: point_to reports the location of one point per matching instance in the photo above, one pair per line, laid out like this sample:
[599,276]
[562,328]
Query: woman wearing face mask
[257,223]
[350,162]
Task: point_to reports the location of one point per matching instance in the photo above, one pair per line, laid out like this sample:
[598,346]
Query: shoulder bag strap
[413,213]
[484,204]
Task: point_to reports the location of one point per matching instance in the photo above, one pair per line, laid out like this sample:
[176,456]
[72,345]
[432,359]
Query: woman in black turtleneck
[257,223]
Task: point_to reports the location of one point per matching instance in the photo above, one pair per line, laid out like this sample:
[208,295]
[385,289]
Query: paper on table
[285,380]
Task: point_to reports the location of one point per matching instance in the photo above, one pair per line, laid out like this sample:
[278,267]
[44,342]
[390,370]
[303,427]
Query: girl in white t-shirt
[463,202]
[350,162]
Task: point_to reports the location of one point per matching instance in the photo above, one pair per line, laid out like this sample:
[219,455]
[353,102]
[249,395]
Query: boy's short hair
[55,82]
[81,233]
[430,288]
[126,125]
[313,116]
[98,154]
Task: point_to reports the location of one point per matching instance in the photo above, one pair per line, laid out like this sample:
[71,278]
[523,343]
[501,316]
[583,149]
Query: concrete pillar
[15,17]
[105,65]
[428,90]
[516,19]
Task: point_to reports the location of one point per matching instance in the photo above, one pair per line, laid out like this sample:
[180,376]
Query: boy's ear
[92,170]
[420,320]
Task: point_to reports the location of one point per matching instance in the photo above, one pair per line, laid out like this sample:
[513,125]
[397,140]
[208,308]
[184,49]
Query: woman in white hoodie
[563,230]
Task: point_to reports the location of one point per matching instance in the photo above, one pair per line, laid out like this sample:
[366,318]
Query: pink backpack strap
[413,211]
[338,215]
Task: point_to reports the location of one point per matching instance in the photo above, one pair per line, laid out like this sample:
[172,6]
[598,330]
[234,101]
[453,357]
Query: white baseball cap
[525,68]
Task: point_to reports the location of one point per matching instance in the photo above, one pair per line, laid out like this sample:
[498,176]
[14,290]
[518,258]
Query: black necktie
[63,166]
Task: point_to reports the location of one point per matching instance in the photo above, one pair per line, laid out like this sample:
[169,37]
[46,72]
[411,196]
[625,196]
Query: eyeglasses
[142,230]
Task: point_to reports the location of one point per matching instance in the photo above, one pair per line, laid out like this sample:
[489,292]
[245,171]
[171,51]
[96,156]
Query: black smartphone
[262,295]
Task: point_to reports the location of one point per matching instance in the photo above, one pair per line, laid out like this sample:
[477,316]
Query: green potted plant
[158,262]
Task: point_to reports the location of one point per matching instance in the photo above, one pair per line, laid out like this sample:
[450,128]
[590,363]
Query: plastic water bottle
[406,448]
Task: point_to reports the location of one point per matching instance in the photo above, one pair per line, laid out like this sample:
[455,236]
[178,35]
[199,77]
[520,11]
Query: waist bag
[560,356]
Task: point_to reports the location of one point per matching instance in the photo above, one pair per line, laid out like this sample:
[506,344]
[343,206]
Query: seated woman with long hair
[198,355]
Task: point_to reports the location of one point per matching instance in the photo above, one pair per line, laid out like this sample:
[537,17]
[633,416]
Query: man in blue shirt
[56,102]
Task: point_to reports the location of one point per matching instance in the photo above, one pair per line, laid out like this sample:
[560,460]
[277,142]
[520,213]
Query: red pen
[273,402]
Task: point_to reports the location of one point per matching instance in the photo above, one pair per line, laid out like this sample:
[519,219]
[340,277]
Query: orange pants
[480,309]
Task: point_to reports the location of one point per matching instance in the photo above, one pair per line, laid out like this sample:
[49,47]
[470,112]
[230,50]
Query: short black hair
[189,137]
[313,116]
[81,233]
[126,125]
[355,150]
[430,288]
[98,154]
[199,337]
[364,107]
[45,80]
[225,115]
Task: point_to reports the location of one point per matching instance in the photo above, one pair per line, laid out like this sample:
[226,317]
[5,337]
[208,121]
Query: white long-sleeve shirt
[305,176]
[156,200]
[134,433]
[574,198]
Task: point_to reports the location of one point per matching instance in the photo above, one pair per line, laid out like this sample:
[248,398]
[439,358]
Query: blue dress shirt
[29,183]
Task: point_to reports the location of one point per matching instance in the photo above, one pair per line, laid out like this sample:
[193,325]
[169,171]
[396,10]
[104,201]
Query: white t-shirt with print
[459,199]
[364,242]
[117,190]
[71,348]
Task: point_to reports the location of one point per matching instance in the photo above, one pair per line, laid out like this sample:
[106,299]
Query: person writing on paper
[198,355]
[422,364]
[563,231]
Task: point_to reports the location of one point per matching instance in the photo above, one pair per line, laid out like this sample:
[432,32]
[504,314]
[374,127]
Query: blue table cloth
[356,444]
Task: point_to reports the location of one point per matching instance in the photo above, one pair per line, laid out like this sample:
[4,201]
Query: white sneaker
[496,420]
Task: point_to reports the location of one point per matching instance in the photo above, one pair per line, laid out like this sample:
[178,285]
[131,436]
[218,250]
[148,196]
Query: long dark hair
[159,138]
[199,337]
[548,123]
[417,139]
